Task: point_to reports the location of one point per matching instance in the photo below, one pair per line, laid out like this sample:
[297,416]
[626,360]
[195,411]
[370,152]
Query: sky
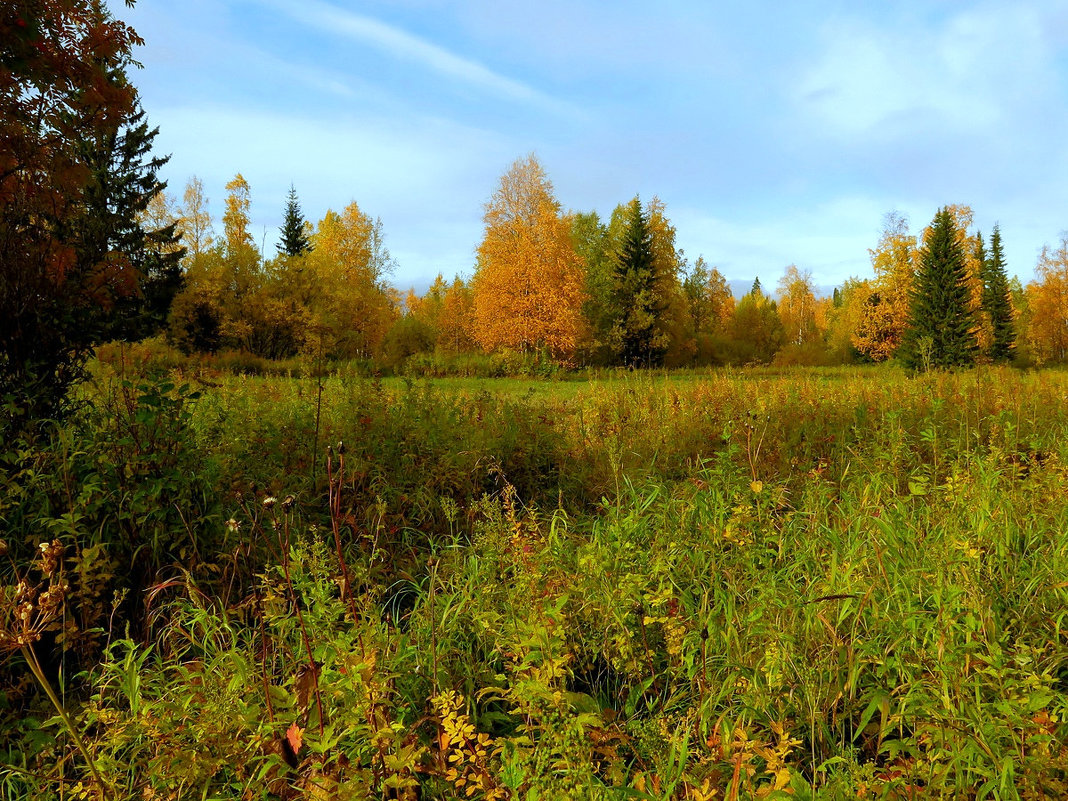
[775,133]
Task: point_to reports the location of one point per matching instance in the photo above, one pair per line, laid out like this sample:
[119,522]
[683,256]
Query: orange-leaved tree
[884,309]
[1047,298]
[63,84]
[528,282]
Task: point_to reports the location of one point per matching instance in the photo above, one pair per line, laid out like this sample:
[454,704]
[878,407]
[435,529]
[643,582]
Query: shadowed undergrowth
[810,584]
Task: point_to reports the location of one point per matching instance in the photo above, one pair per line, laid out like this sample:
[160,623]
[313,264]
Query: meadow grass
[729,584]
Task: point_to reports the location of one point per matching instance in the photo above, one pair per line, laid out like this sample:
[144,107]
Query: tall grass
[771,584]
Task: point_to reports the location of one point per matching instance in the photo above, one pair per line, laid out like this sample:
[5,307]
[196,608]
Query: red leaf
[295,737]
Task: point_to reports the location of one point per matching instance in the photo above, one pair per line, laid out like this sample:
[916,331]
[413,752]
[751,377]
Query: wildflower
[233,526]
[287,504]
[269,501]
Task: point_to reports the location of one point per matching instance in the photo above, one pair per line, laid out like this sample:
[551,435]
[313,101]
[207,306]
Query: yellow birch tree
[1047,297]
[528,282]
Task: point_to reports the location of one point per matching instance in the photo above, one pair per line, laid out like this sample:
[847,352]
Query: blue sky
[774,132]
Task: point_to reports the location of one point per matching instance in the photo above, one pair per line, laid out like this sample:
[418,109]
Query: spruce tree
[636,300]
[123,181]
[941,328]
[997,302]
[756,290]
[294,237]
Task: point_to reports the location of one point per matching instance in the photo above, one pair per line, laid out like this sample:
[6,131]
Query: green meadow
[764,583]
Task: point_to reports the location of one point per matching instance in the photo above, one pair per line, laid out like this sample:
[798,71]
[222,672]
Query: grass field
[839,583]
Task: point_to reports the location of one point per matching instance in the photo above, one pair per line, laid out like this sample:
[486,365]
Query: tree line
[94,249]
[590,291]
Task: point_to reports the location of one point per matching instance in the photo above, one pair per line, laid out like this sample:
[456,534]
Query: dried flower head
[269,501]
[51,556]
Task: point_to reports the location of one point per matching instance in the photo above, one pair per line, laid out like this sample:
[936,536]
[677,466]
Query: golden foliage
[1047,298]
[804,319]
[197,233]
[235,218]
[528,285]
[882,312]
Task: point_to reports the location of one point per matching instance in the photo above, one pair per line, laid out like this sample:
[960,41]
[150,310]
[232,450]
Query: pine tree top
[294,240]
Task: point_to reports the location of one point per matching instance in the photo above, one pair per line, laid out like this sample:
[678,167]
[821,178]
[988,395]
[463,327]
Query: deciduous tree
[756,327]
[884,310]
[63,84]
[1047,298]
[528,282]
[198,235]
[798,308]
[351,304]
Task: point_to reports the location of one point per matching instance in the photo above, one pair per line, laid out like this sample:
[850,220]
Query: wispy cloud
[403,45]
[966,76]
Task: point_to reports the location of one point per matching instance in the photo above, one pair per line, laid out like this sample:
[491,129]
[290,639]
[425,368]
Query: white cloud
[831,239]
[966,76]
[403,45]
[426,178]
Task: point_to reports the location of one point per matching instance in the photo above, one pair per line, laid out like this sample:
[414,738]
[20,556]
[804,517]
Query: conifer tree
[124,181]
[294,234]
[636,296]
[997,302]
[941,327]
[756,291]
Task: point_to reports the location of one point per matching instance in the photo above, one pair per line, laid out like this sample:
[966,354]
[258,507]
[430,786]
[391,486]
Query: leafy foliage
[830,585]
[64,96]
[528,284]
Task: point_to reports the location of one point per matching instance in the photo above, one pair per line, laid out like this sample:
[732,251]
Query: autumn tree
[1047,301]
[294,240]
[756,327]
[198,234]
[710,305]
[884,309]
[592,240]
[349,299]
[528,282]
[997,303]
[416,329]
[798,308]
[456,320]
[427,307]
[941,326]
[242,257]
[196,320]
[63,84]
[845,318]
